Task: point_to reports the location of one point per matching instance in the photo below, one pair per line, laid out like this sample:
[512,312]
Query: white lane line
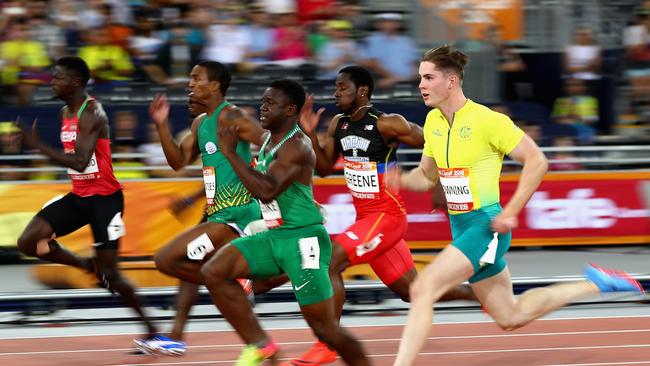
[427,354]
[511,350]
[212,362]
[505,335]
[604,363]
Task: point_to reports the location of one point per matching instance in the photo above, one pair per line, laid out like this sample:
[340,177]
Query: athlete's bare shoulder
[333,123]
[197,120]
[93,118]
[63,111]
[230,114]
[305,142]
[391,117]
[94,112]
[300,149]
[200,117]
[337,117]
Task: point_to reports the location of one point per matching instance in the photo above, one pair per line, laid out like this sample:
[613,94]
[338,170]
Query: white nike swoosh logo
[301,286]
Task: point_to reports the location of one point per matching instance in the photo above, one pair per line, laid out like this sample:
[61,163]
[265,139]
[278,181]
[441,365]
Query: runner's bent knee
[402,288]
[38,229]
[427,284]
[509,322]
[219,266]
[27,245]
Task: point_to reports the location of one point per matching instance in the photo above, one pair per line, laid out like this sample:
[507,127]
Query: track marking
[236,345]
[490,321]
[434,354]
[604,363]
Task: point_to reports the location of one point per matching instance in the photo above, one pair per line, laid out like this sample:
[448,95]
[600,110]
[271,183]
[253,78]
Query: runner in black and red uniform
[367,139]
[96,198]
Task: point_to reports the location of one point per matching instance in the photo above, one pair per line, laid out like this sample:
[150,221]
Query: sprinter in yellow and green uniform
[465,143]
[469,154]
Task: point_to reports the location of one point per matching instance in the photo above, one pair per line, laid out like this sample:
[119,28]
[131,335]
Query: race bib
[271,214]
[199,247]
[455,183]
[361,177]
[210,183]
[310,253]
[255,227]
[91,168]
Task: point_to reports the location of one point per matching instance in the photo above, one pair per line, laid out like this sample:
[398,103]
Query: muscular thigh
[495,294]
[200,242]
[372,236]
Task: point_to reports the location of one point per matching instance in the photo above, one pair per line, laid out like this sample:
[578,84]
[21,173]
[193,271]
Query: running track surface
[578,342]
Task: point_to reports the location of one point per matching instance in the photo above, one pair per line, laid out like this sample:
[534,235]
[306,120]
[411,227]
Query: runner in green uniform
[296,243]
[230,206]
[465,143]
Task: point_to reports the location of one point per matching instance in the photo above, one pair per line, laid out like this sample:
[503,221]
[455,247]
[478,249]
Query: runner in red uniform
[367,139]
[96,198]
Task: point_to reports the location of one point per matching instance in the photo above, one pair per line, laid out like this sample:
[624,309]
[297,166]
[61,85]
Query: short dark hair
[77,66]
[218,72]
[360,77]
[447,59]
[293,90]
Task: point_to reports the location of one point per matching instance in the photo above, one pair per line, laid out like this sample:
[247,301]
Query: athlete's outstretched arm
[535,166]
[422,178]
[178,155]
[394,127]
[328,153]
[89,128]
[289,163]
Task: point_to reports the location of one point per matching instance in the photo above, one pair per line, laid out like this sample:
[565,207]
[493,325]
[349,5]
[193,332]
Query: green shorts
[472,235]
[303,254]
[237,217]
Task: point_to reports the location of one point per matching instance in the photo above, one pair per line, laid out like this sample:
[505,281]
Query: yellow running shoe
[254,356]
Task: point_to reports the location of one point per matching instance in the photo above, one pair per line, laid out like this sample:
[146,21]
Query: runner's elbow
[543,164]
[80,163]
[267,195]
[323,171]
[177,164]
[540,163]
[177,167]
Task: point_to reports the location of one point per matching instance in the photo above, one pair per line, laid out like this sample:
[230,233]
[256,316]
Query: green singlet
[296,243]
[228,201]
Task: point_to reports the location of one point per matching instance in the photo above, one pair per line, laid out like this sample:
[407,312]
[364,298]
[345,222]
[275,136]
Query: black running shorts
[102,213]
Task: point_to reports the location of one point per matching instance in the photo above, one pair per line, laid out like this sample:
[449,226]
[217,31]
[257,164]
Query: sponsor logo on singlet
[68,136]
[210,147]
[354,143]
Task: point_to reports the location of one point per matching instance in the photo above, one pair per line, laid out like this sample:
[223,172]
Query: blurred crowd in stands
[156,42]
[159,41]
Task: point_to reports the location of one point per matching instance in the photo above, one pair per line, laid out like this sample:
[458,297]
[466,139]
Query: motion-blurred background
[574,74]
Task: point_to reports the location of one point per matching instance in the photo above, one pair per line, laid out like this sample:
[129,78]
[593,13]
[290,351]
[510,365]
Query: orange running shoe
[247,285]
[318,354]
